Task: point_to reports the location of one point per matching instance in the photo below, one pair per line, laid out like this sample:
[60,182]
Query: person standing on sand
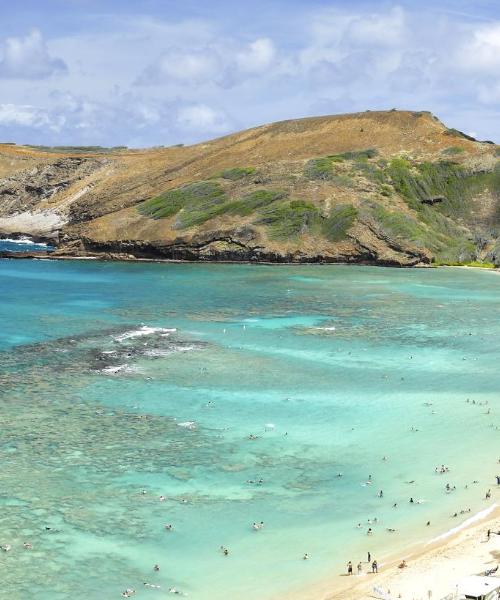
[349,568]
[374,567]
[360,568]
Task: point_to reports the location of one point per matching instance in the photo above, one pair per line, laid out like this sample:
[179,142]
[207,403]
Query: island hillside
[394,188]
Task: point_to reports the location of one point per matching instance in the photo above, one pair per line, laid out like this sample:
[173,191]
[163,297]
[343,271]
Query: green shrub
[453,150]
[287,220]
[319,168]
[322,168]
[198,202]
[340,220]
[446,179]
[456,133]
[359,154]
[235,173]
[251,202]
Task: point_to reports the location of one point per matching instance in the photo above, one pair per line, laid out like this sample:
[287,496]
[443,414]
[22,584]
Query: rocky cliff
[395,187]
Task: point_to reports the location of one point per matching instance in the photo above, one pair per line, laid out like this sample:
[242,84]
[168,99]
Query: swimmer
[305,557]
[162,498]
[28,545]
[156,567]
[169,527]
[224,550]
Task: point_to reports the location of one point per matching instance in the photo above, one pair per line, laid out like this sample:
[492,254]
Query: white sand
[436,567]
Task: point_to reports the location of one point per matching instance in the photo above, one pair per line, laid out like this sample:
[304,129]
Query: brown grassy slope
[96,203]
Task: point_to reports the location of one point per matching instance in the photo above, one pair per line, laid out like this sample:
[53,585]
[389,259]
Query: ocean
[22,244]
[211,397]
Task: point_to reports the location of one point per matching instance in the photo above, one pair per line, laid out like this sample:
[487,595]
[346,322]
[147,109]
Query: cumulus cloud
[223,63]
[184,66]
[144,81]
[258,56]
[29,58]
[202,118]
[481,51]
[24,116]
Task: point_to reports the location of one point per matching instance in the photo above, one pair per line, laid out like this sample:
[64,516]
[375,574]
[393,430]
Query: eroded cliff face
[392,188]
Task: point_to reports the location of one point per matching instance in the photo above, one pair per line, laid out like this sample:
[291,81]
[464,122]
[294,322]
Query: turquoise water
[105,408]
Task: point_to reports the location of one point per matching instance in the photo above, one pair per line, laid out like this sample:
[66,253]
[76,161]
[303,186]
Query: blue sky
[159,72]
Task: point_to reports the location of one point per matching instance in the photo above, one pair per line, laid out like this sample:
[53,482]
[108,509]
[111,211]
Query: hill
[396,187]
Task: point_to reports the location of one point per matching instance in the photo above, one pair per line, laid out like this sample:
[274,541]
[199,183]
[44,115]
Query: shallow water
[119,379]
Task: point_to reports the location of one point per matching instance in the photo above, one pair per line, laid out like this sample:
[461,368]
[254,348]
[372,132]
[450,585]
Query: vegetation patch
[338,223]
[322,168]
[287,220]
[78,149]
[456,133]
[453,150]
[253,201]
[444,179]
[472,263]
[235,173]
[198,202]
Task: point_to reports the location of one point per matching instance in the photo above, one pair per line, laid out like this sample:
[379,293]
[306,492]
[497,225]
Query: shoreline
[44,255]
[436,565]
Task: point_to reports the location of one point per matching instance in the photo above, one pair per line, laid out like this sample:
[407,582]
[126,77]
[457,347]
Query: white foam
[113,370]
[155,352]
[187,425]
[477,517]
[24,241]
[143,331]
[326,328]
[120,369]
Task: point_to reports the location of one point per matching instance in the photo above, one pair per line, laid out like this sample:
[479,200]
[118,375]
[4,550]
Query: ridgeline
[393,188]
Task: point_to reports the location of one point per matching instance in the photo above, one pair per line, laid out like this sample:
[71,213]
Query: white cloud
[202,118]
[24,116]
[257,57]
[223,63]
[29,58]
[377,29]
[481,51]
[177,65]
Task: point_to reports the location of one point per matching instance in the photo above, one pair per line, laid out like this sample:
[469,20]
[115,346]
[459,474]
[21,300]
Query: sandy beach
[434,567]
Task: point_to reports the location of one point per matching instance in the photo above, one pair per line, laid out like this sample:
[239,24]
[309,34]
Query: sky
[162,72]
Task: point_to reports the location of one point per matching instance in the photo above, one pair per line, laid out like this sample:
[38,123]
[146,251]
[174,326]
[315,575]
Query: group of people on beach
[372,563]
